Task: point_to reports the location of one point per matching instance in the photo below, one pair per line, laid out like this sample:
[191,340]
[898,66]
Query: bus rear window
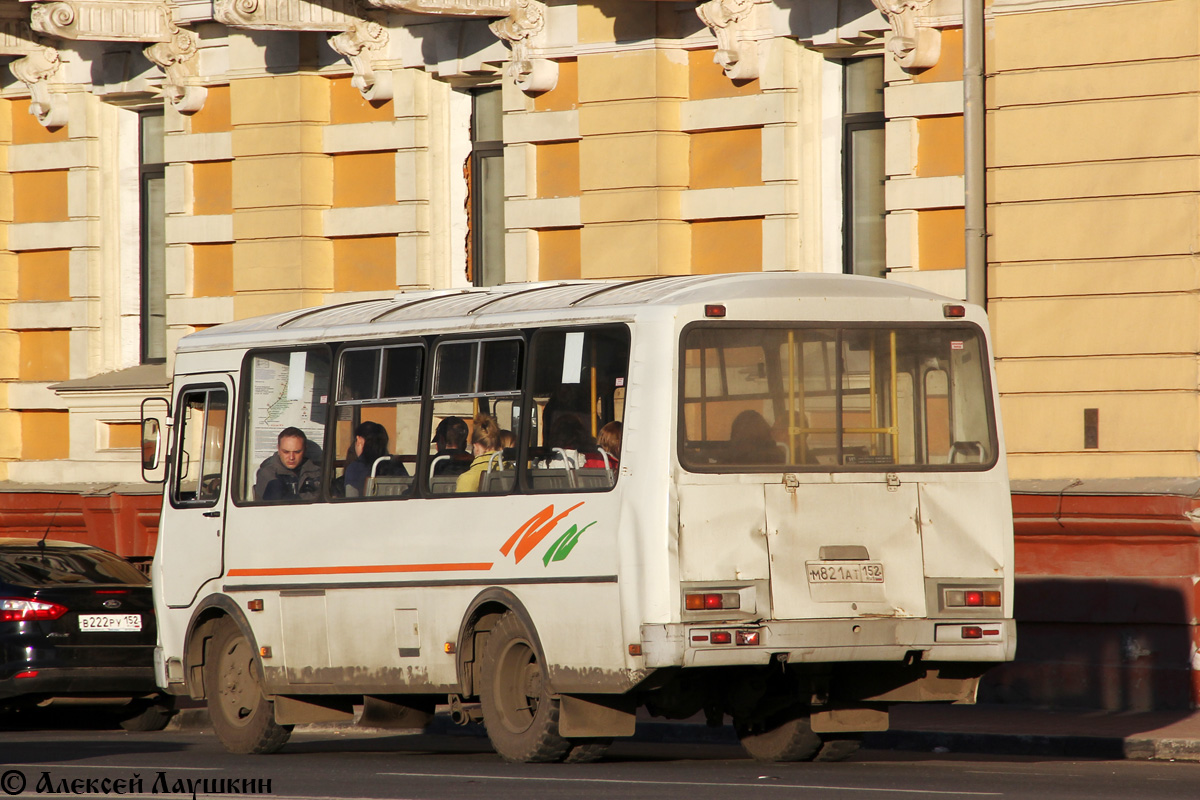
[835,398]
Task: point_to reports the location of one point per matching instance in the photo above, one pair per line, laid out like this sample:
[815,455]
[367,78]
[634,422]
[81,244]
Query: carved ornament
[730,20]
[523,29]
[914,45]
[36,67]
[178,58]
[361,45]
[332,16]
[450,8]
[103,20]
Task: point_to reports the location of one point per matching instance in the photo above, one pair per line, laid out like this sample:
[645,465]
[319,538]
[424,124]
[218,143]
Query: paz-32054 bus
[804,520]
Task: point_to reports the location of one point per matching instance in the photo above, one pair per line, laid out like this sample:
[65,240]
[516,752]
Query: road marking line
[142,768]
[690,783]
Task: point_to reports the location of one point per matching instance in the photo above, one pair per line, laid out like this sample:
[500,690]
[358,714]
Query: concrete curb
[1134,748]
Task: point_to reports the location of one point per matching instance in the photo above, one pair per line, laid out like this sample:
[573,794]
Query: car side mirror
[155,411]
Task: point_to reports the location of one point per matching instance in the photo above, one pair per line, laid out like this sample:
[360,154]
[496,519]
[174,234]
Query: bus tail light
[714,310]
[972,598]
[750,638]
[711,601]
[720,637]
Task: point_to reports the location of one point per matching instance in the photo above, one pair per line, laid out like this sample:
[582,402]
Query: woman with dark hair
[485,441]
[370,444]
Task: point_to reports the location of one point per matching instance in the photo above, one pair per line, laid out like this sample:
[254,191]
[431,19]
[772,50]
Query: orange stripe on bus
[363,570]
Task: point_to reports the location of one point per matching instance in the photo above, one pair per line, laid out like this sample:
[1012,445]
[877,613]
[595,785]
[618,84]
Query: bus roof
[515,298]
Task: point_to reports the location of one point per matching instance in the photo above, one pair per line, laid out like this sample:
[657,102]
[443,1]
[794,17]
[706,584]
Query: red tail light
[21,609]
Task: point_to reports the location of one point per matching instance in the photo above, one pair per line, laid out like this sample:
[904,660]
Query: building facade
[168,165]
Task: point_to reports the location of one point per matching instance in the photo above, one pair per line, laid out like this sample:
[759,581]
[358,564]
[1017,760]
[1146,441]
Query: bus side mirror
[155,412]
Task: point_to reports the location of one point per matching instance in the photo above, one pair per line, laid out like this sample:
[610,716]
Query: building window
[486,188]
[152,210]
[863,149]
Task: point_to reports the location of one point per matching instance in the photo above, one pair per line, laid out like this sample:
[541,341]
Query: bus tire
[786,737]
[838,749]
[152,715]
[242,716]
[520,715]
[585,751]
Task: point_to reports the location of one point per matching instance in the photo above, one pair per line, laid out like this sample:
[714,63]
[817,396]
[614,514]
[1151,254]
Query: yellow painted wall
[214,117]
[364,179]
[27,130]
[939,146]
[941,238]
[45,435]
[565,94]
[348,106]
[557,169]
[731,157]
[43,275]
[727,245]
[40,196]
[122,435]
[45,355]
[559,254]
[212,270]
[949,66]
[366,263]
[212,187]
[706,78]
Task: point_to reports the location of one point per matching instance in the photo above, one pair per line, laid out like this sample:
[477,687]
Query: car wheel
[520,716]
[152,715]
[242,716]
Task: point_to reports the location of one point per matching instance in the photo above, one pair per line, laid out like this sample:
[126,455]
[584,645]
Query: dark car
[77,625]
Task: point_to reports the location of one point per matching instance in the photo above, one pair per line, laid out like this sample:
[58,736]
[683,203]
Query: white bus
[804,520]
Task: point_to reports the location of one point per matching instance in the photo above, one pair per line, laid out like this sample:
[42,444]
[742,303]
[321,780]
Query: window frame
[839,326]
[177,443]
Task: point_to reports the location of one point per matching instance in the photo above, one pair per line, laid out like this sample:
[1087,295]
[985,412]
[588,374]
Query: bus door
[840,549]
[191,532]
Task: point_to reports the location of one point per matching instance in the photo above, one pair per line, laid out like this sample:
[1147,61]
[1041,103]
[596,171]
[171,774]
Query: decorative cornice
[103,20]
[361,45]
[36,67]
[178,59]
[332,16]
[450,8]
[729,21]
[915,45]
[523,29]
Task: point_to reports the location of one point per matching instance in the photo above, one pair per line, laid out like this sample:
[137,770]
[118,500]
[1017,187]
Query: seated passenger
[569,433]
[609,440]
[751,441]
[293,472]
[369,445]
[485,441]
[450,439]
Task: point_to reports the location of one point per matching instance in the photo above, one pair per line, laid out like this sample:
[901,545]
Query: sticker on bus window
[572,357]
[956,345]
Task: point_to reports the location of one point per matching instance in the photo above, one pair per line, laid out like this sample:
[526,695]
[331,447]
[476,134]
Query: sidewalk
[994,729]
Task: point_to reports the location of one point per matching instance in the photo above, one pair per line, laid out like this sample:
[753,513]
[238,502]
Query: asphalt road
[74,761]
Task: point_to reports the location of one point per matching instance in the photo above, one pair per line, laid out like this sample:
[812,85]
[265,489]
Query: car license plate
[110,622]
[844,571]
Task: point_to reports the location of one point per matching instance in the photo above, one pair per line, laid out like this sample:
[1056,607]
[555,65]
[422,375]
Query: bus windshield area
[840,397]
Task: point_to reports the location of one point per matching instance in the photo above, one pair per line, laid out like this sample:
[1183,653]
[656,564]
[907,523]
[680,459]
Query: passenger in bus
[370,444]
[293,472]
[485,441]
[751,441]
[450,439]
[609,440]
[569,434]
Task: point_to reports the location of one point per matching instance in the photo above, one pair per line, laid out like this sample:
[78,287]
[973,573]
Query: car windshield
[52,566]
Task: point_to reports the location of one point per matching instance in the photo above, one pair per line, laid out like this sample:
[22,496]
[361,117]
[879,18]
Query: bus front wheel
[520,715]
[242,716]
[787,736]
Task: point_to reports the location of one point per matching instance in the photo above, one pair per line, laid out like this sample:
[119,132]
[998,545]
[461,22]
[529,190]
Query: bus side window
[578,401]
[378,422]
[201,446]
[284,389]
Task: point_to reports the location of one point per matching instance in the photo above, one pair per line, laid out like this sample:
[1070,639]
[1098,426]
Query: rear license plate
[844,571]
[110,622]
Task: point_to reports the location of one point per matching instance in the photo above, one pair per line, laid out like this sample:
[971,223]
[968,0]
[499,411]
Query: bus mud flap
[591,715]
[304,710]
[849,720]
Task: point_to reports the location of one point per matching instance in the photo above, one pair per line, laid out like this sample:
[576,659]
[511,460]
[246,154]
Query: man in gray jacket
[289,474]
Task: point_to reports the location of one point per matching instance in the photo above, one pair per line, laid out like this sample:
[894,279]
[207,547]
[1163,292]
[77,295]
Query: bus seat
[593,478]
[443,484]
[388,485]
[498,481]
[551,479]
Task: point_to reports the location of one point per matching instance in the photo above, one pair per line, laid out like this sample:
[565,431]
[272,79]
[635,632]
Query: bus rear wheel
[787,736]
[242,716]
[520,715]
